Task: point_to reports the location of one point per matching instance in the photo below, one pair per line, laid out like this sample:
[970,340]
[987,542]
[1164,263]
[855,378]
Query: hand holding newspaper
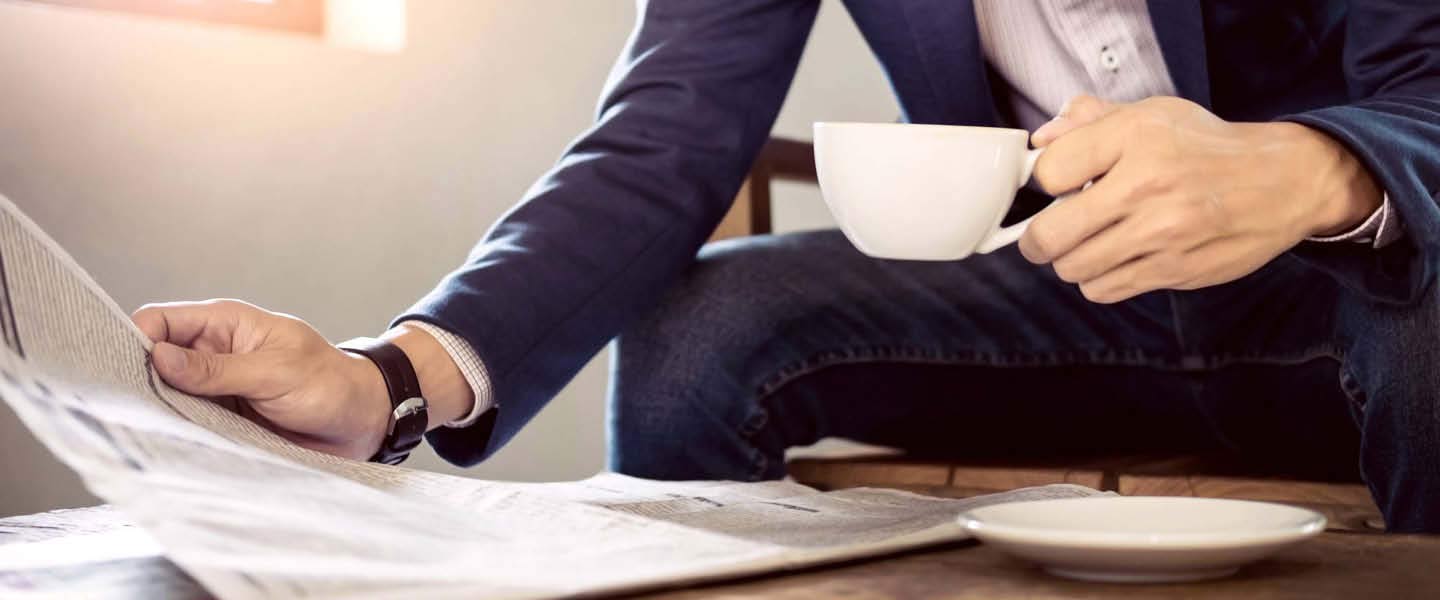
[250,515]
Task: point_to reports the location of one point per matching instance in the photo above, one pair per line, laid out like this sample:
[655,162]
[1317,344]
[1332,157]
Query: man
[1251,272]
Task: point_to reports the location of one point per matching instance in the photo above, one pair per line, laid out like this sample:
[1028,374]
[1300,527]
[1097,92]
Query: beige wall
[178,161]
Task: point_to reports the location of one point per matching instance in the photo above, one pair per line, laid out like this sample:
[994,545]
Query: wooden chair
[1348,505]
[780,159]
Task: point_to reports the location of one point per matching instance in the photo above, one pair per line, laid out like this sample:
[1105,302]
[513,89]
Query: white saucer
[1141,539]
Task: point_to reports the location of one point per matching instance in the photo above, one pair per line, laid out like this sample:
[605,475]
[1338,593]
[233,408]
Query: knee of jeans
[1395,352]
[1398,330]
[680,440]
[714,330]
[684,378]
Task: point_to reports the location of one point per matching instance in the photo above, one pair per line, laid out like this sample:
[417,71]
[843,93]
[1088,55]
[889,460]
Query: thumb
[208,373]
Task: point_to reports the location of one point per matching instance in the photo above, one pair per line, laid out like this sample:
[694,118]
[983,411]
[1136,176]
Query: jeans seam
[1355,394]
[1099,357]
[1351,387]
[753,424]
[1175,321]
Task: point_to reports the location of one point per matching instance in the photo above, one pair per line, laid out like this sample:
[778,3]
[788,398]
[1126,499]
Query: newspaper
[250,515]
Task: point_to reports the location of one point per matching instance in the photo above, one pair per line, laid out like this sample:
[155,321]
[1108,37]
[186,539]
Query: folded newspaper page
[250,515]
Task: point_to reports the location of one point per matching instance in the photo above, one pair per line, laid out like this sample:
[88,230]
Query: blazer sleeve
[592,244]
[1392,124]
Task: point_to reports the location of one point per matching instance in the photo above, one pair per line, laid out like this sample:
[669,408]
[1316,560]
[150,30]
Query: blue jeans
[778,341]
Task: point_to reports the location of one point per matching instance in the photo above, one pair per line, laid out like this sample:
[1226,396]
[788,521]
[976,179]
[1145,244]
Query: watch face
[409,407]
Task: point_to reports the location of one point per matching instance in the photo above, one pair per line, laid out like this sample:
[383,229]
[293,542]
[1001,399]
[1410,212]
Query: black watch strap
[409,416]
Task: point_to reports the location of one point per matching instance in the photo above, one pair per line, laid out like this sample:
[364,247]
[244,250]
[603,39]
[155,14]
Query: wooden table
[1334,565]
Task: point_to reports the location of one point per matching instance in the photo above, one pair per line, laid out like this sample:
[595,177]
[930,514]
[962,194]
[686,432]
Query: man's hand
[288,377]
[1182,199]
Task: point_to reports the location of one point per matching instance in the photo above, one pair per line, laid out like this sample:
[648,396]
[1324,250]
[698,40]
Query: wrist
[444,387]
[372,398]
[1344,192]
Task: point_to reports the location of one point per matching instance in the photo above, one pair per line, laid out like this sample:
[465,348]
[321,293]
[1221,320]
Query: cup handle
[1005,236]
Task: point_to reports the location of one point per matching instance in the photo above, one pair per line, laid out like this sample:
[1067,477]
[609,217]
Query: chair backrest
[780,159]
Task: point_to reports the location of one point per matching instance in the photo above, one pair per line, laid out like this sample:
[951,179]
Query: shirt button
[1110,59]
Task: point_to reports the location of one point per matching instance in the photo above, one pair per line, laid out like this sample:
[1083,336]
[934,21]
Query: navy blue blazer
[694,95]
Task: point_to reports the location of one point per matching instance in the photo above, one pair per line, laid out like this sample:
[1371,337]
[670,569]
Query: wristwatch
[409,414]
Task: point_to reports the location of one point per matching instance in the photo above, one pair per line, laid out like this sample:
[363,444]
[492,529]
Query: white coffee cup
[923,192]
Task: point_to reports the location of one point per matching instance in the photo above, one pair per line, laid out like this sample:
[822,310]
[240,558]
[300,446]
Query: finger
[1063,225]
[184,323]
[255,375]
[1138,233]
[1160,270]
[1086,152]
[205,344]
[151,321]
[1077,112]
[1100,254]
